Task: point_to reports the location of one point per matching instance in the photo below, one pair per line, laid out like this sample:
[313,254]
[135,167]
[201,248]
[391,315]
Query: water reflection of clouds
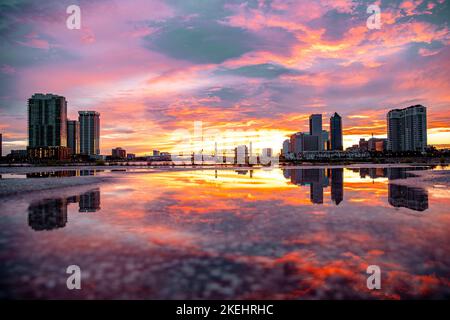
[168,236]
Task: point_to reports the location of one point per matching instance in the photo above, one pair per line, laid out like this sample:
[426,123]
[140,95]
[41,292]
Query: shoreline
[436,179]
[15,186]
[118,168]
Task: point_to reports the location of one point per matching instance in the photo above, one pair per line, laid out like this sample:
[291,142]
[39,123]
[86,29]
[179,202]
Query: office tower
[315,129]
[301,142]
[337,184]
[286,147]
[407,129]
[89,132]
[1,142]
[311,142]
[73,136]
[47,121]
[336,132]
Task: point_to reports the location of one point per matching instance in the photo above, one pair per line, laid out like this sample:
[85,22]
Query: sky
[247,70]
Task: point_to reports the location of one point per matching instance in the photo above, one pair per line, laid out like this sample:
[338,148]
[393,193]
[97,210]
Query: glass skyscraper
[89,132]
[336,132]
[47,121]
[73,136]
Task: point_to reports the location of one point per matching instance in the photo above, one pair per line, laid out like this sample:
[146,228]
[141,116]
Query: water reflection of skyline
[209,234]
[398,195]
[49,214]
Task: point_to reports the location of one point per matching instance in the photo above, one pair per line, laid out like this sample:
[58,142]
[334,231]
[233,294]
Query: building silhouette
[336,132]
[301,141]
[337,184]
[314,178]
[73,136]
[89,132]
[241,155]
[315,129]
[90,201]
[407,129]
[48,214]
[118,153]
[412,198]
[286,147]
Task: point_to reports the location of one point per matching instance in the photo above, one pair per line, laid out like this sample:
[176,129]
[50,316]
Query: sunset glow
[259,68]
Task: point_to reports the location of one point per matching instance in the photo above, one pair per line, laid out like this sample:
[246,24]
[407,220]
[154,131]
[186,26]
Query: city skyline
[48,126]
[162,71]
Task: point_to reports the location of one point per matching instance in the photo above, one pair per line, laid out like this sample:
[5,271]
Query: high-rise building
[286,147]
[407,129]
[302,141]
[89,132]
[1,142]
[73,136]
[336,132]
[47,121]
[315,129]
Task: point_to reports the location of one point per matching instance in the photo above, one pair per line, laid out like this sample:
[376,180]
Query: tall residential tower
[407,129]
[73,136]
[89,132]
[47,121]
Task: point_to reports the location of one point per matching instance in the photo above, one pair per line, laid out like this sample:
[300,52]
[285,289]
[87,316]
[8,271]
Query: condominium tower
[47,121]
[407,129]
[73,136]
[89,132]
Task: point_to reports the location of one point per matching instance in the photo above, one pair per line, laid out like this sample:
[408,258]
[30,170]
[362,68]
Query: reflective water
[52,174]
[214,234]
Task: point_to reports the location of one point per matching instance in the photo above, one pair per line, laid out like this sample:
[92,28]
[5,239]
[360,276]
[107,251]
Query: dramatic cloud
[254,66]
